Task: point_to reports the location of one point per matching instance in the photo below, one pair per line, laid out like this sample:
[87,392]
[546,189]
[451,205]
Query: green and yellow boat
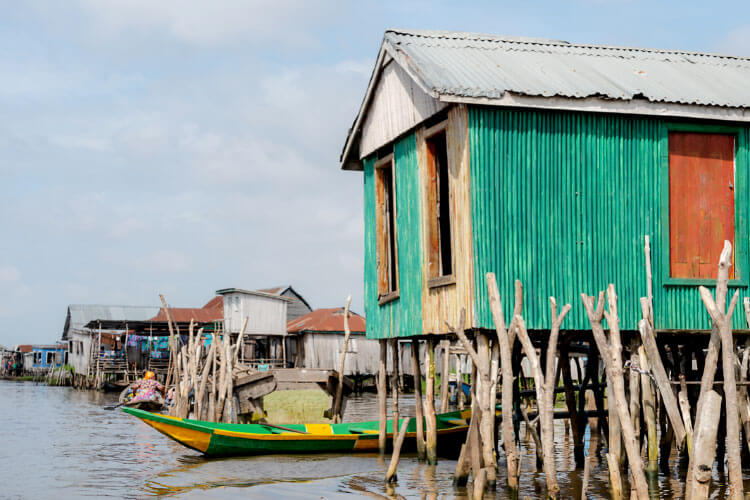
[221,440]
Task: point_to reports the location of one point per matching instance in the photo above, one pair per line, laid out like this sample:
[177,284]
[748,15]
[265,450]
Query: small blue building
[46,357]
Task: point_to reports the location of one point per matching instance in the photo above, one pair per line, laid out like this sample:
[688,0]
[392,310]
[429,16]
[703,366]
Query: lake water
[59,443]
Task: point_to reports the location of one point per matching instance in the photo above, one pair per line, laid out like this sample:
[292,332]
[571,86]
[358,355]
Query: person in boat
[145,389]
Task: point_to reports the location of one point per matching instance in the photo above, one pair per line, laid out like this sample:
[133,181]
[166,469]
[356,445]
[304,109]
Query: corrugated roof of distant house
[536,72]
[81,314]
[25,348]
[279,290]
[326,320]
[212,311]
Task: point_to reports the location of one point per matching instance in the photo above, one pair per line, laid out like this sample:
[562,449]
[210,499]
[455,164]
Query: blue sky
[180,147]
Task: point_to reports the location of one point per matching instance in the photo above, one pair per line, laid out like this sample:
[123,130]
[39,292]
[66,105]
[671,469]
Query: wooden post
[682,398]
[390,476]
[545,390]
[661,378]
[649,282]
[612,356]
[418,398]
[460,397]
[705,448]
[714,344]
[445,375]
[382,396]
[337,410]
[429,404]
[506,340]
[394,388]
[649,413]
[635,391]
[724,322]
[576,423]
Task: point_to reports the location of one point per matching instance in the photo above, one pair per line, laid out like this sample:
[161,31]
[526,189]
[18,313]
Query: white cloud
[200,22]
[9,274]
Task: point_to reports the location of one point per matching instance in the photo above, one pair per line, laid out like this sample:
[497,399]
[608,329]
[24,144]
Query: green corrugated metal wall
[562,201]
[403,316]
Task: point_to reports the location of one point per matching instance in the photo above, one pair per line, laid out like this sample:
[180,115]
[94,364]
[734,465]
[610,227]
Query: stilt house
[548,162]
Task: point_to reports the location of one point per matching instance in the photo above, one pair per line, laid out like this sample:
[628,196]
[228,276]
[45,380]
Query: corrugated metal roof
[488,66]
[81,314]
[326,320]
[553,74]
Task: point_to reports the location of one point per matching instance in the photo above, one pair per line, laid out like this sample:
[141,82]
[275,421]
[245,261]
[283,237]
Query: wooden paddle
[285,428]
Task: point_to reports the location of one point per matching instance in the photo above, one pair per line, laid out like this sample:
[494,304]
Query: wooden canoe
[218,439]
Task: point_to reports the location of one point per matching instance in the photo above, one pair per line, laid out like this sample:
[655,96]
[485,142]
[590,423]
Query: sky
[184,146]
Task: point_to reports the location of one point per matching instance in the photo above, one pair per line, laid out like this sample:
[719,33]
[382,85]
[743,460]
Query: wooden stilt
[576,423]
[429,405]
[545,390]
[390,475]
[714,344]
[611,353]
[649,413]
[506,341]
[444,375]
[418,398]
[337,407]
[382,397]
[705,447]
[394,387]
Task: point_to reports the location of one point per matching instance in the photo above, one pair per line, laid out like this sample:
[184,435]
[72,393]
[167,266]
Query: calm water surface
[60,443]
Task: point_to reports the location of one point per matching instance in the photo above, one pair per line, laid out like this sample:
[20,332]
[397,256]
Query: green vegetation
[296,407]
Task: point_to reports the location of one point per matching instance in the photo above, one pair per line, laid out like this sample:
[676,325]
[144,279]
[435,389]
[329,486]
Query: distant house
[265,333]
[320,339]
[297,305]
[42,358]
[86,328]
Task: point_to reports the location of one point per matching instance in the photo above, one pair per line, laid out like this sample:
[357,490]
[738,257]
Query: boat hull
[221,440]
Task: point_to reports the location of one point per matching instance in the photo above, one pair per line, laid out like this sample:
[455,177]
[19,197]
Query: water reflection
[59,442]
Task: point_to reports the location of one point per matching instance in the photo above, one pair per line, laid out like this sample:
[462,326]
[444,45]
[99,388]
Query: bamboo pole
[382,397]
[390,476]
[611,353]
[337,410]
[505,341]
[418,398]
[429,404]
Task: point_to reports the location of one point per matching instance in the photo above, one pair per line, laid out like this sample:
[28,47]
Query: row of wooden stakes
[646,387]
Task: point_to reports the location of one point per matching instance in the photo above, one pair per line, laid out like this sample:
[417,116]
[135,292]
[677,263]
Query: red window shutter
[701,202]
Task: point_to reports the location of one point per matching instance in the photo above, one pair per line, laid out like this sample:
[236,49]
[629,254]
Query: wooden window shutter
[701,202]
